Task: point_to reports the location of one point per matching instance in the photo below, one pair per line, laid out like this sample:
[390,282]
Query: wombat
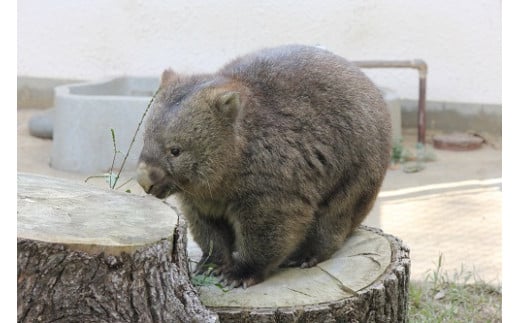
[275,159]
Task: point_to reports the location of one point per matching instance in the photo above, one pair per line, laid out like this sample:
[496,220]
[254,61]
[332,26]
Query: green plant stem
[135,136]
[127,181]
[94,176]
[113,160]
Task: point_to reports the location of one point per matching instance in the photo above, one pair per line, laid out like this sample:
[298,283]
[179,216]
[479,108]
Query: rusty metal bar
[422,67]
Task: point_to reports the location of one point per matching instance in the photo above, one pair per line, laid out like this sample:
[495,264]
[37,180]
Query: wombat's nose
[142,177]
[148,176]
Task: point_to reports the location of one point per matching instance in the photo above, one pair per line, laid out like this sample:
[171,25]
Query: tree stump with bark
[365,281]
[92,255]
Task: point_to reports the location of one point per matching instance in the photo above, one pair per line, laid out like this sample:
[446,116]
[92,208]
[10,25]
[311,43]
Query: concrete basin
[84,115]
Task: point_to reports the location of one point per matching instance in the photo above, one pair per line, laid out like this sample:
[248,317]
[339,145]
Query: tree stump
[365,281]
[92,255]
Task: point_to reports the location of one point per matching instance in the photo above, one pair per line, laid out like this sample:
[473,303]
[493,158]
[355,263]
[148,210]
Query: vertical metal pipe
[421,113]
[423,70]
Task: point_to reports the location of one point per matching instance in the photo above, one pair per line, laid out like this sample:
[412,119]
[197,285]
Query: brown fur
[275,158]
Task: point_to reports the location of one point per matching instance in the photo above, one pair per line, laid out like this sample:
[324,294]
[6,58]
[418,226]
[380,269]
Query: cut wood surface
[92,255]
[70,213]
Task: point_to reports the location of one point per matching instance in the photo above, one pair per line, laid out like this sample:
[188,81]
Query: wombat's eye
[175,151]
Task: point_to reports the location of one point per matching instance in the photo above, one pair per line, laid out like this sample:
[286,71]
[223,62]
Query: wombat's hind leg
[334,223]
[327,235]
[261,245]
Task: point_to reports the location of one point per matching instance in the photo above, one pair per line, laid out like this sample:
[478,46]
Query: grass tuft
[458,297]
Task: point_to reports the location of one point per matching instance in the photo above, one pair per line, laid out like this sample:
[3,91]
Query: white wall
[89,39]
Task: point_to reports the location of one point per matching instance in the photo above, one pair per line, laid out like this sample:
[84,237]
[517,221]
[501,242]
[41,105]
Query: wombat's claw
[234,283]
[304,262]
[248,282]
[221,278]
[208,270]
[311,262]
[291,263]
[214,271]
[225,282]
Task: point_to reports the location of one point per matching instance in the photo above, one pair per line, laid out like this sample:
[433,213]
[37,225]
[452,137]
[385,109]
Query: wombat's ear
[168,77]
[228,104]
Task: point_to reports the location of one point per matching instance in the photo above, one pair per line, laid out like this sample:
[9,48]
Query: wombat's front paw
[208,269]
[231,281]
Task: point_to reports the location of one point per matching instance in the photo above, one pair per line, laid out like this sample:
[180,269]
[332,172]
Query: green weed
[458,297]
[111,177]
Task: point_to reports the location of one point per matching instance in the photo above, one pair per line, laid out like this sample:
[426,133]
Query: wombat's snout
[148,176]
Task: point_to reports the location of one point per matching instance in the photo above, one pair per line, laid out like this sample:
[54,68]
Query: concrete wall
[91,39]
